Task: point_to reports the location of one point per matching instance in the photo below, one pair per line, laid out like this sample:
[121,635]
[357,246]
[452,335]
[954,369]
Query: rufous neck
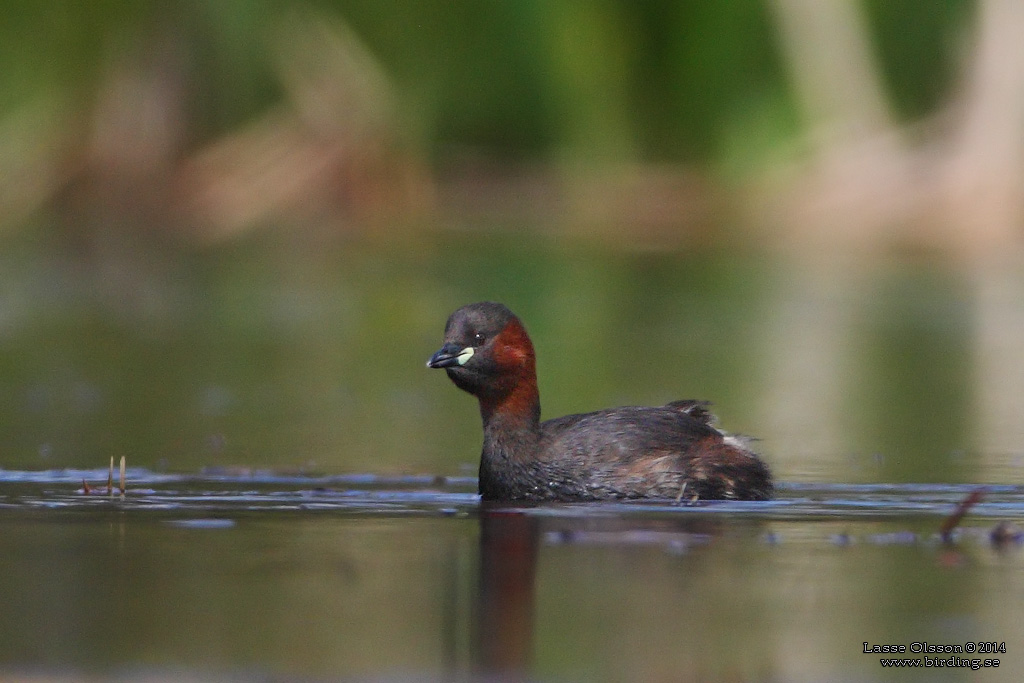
[520,406]
[511,429]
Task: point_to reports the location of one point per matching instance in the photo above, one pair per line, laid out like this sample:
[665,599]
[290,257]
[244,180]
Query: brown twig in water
[951,522]
[87,490]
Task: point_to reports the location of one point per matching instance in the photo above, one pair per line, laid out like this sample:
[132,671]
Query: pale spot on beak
[464,355]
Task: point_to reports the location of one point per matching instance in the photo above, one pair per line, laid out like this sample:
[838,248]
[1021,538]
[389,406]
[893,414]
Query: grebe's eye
[479,339]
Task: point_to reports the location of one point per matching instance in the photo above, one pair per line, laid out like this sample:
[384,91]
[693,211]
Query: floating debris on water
[894,538]
[201,523]
[842,540]
[675,542]
[1005,534]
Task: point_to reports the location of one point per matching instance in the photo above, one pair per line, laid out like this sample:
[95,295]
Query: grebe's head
[486,350]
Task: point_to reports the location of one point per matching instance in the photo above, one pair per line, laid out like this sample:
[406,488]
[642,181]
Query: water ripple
[252,490]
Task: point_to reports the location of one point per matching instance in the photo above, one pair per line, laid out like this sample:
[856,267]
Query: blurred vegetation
[444,85]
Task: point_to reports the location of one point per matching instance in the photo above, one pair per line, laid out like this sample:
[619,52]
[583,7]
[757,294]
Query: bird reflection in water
[510,538]
[503,640]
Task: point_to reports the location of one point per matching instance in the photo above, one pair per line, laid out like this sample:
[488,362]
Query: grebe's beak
[450,355]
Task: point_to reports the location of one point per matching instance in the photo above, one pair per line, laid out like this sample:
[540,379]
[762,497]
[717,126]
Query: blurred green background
[230,233]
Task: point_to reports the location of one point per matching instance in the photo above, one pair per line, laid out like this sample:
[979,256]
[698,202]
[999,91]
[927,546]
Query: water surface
[244,383]
[224,574]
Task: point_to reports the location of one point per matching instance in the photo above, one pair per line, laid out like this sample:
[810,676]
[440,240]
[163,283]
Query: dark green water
[268,375]
[311,358]
[226,576]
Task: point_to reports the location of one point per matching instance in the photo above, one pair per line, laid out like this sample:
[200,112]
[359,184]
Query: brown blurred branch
[332,149]
[864,183]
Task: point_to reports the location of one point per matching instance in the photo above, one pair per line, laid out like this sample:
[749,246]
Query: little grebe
[670,451]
